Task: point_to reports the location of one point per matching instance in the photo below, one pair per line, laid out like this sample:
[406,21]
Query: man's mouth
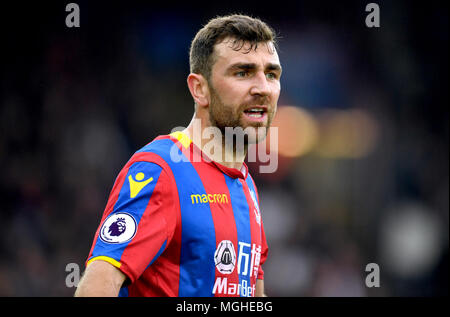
[256,113]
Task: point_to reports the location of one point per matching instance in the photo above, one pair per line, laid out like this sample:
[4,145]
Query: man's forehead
[230,51]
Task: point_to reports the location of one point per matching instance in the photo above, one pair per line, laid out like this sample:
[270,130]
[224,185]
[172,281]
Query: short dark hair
[240,28]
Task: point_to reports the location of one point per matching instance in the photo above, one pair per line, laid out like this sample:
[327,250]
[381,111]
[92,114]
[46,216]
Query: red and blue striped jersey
[179,224]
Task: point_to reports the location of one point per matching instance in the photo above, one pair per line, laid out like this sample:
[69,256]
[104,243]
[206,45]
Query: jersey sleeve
[138,221]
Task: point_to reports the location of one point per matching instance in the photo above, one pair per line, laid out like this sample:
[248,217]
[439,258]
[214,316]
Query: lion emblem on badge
[117,227]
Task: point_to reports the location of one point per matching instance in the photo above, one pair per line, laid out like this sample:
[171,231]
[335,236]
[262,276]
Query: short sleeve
[138,221]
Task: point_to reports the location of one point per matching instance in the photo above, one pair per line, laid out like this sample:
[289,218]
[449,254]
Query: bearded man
[193,227]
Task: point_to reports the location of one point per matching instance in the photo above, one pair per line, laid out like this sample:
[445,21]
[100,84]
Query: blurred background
[363,124]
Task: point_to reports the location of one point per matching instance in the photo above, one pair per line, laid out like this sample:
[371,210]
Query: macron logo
[209,198]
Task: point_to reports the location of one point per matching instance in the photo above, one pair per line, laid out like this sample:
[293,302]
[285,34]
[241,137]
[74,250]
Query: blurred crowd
[365,109]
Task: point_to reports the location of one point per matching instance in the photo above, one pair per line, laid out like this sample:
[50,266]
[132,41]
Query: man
[192,227]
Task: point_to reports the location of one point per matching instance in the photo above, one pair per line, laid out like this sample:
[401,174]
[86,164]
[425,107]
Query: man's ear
[198,86]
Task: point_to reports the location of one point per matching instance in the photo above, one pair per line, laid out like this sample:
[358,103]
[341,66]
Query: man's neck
[214,145]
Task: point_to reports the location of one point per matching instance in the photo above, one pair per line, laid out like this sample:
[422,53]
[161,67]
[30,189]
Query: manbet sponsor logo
[209,198]
[248,260]
[221,286]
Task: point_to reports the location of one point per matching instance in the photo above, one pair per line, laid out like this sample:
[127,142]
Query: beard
[228,117]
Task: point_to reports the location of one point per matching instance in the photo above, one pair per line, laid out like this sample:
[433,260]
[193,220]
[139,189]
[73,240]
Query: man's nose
[260,85]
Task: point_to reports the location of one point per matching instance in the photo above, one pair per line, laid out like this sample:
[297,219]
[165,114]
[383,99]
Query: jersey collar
[187,143]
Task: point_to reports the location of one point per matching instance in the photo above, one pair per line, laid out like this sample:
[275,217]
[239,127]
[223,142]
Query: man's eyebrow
[252,66]
[245,66]
[275,67]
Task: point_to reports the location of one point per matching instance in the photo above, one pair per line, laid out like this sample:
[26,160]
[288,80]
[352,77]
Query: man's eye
[271,76]
[241,74]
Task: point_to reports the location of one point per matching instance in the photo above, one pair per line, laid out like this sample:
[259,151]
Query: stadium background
[363,150]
